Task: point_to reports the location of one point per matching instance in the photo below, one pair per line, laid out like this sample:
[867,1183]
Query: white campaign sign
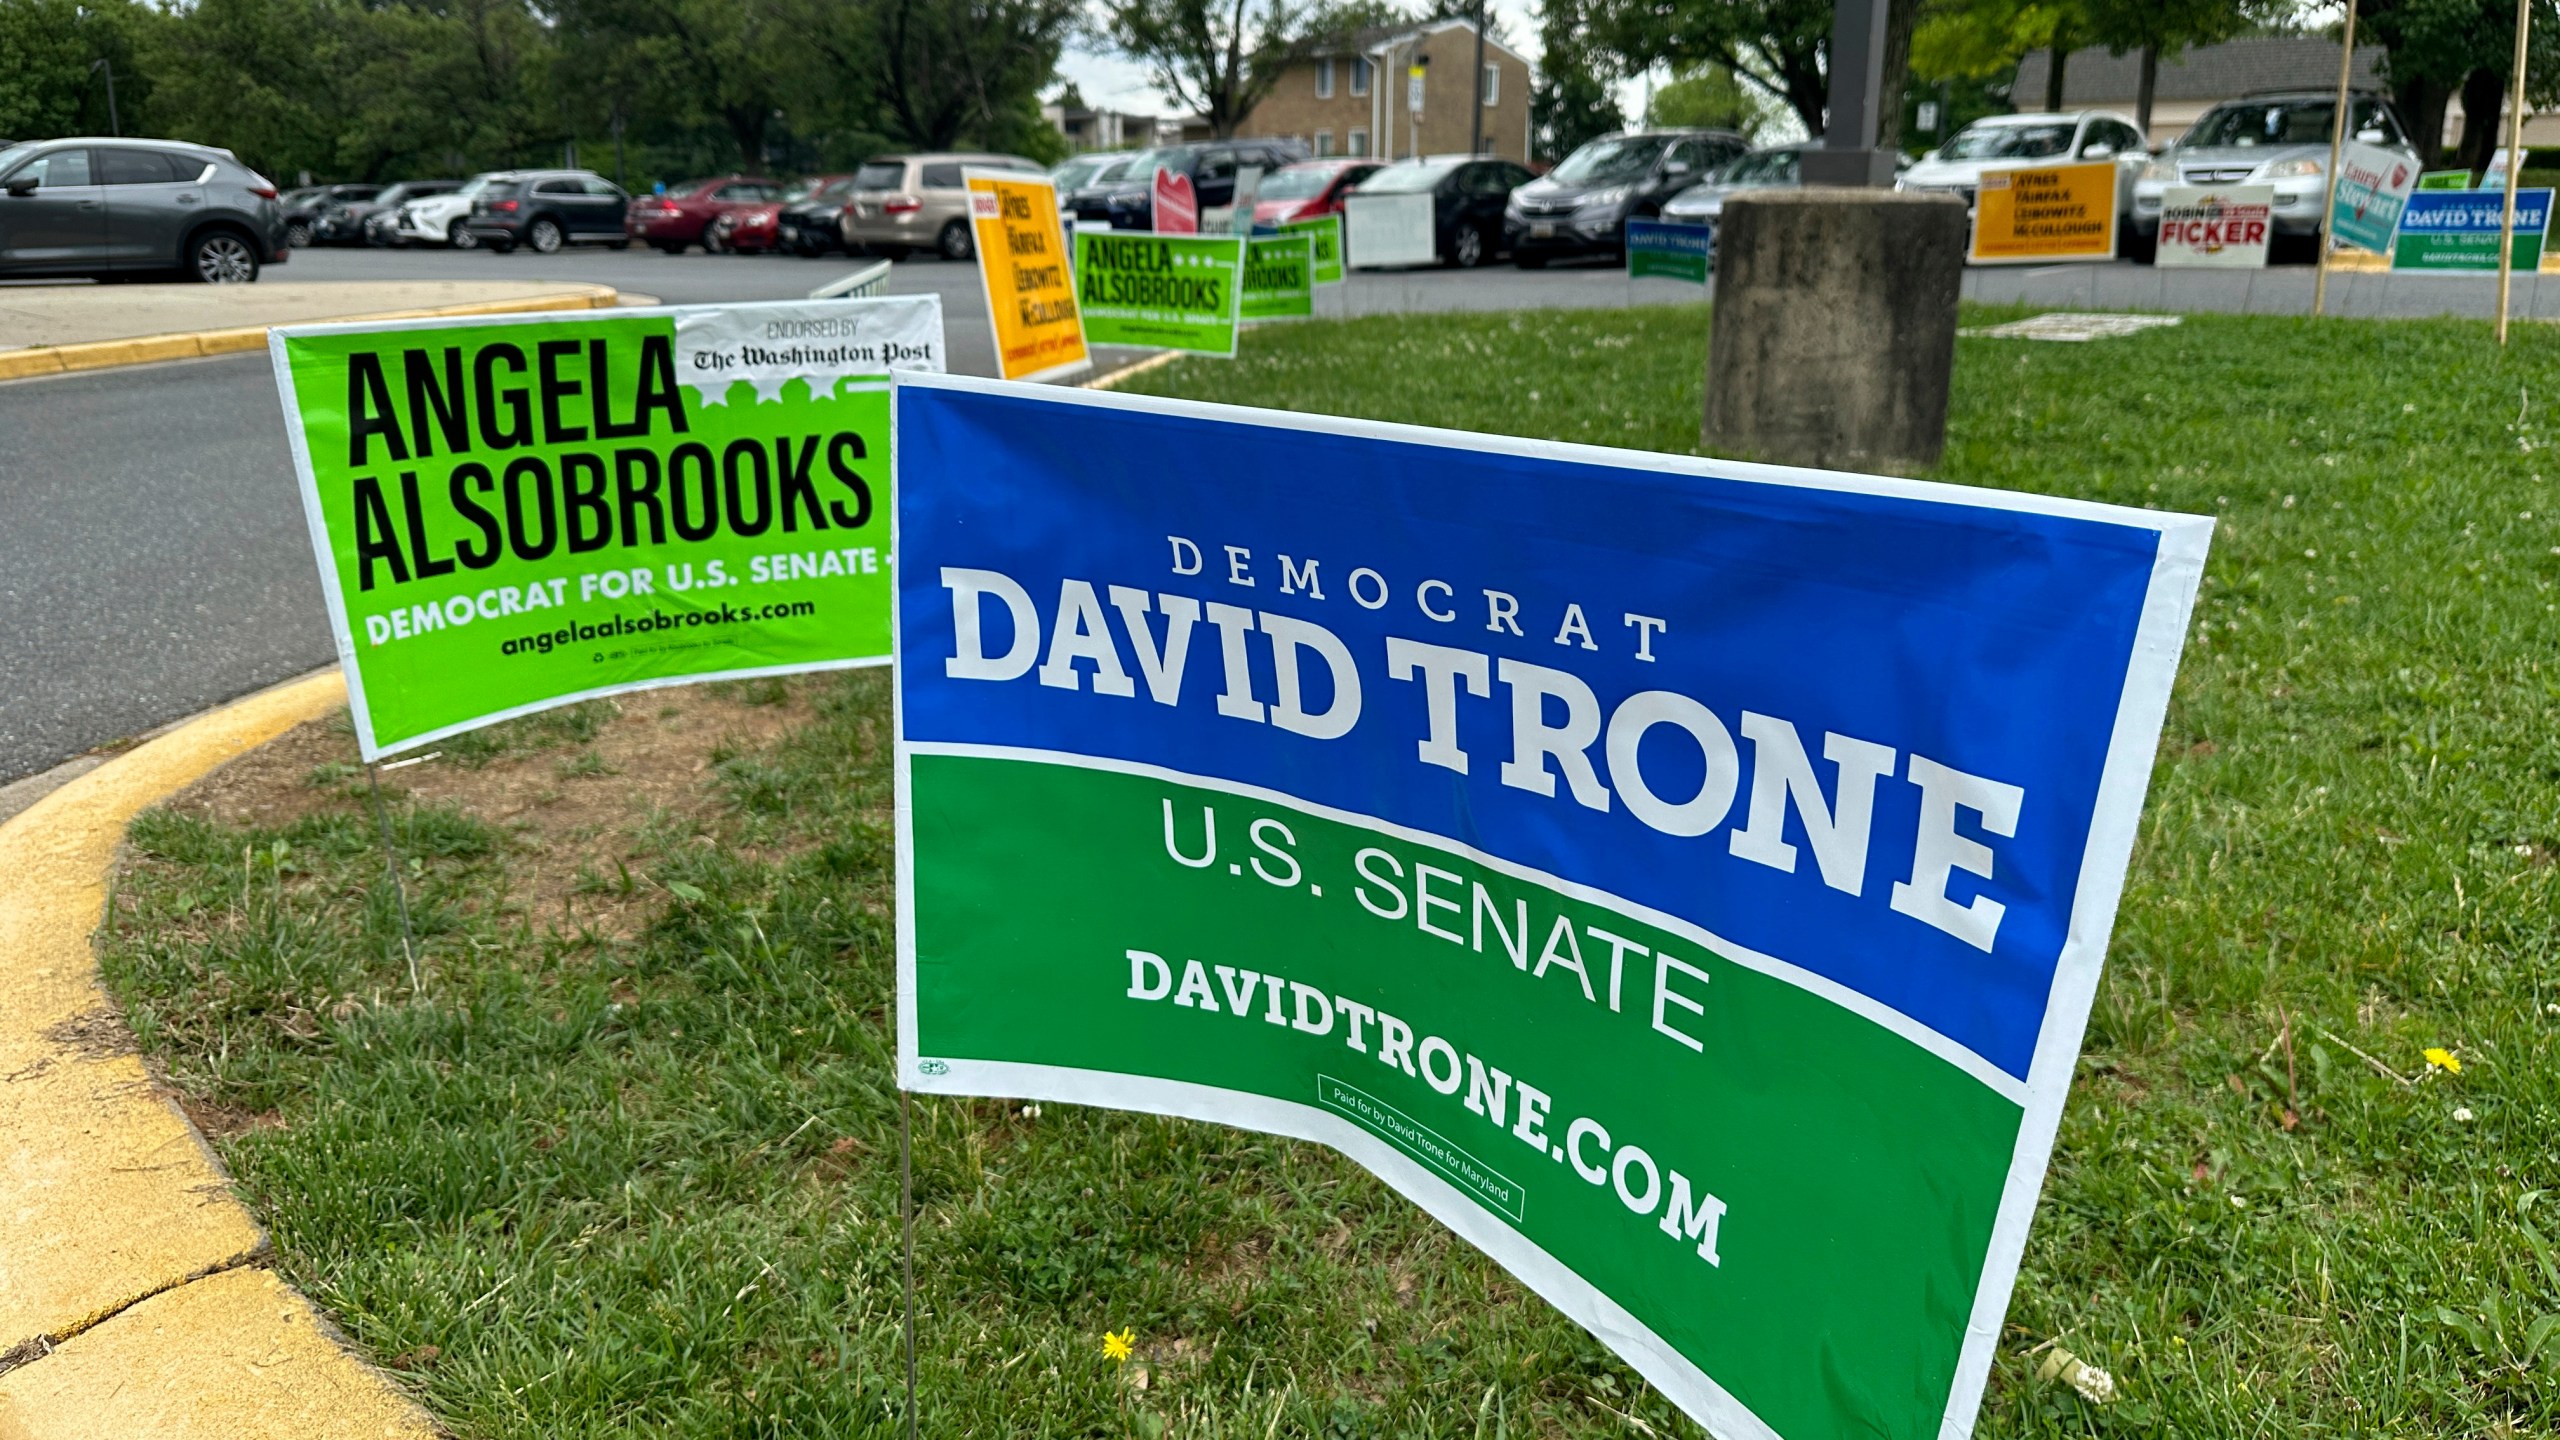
[824,343]
[2215,227]
[1380,230]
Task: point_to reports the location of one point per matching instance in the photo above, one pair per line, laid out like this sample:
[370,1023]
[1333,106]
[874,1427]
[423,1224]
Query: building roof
[2208,72]
[1372,38]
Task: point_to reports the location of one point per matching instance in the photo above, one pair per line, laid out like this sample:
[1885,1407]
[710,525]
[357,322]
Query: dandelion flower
[2439,1058]
[1119,1345]
[2462,1114]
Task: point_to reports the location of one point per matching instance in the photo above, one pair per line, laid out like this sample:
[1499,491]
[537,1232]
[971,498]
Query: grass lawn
[627,1166]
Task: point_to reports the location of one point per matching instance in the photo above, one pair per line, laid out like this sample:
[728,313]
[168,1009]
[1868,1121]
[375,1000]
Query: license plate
[1543,230]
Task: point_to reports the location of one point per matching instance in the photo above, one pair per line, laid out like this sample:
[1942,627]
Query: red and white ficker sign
[2224,227]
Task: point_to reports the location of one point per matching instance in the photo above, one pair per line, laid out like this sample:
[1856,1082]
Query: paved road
[153,560]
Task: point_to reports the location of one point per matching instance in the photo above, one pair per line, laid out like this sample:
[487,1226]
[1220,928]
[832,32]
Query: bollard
[1835,327]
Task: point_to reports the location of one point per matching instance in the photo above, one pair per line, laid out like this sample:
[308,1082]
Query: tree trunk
[2061,51]
[1900,19]
[2422,105]
[2147,87]
[2484,102]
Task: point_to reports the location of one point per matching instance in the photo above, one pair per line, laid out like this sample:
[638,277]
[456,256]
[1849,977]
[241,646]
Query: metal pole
[2337,146]
[907,1235]
[1475,138]
[115,123]
[2515,168]
[391,867]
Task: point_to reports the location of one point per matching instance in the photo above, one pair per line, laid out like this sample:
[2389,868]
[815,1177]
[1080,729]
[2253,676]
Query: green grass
[649,1187]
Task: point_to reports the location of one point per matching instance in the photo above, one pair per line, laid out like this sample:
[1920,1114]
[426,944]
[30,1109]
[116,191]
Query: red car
[1308,189]
[785,224]
[677,218]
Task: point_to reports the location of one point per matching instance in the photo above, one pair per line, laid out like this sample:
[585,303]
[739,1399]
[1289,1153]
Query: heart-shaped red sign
[1177,209]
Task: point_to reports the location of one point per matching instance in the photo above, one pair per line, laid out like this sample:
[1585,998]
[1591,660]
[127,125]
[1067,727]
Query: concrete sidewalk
[35,315]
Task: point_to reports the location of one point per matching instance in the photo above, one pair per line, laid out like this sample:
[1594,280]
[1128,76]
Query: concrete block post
[1835,327]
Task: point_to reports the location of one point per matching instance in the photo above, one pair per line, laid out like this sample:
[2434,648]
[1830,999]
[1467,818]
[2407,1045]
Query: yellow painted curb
[108,1196]
[229,1357]
[191,344]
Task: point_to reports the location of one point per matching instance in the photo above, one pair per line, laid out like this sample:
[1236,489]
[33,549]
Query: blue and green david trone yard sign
[1686,879]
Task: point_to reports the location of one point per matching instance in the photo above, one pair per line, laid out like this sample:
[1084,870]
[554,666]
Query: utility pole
[1475,140]
[1848,153]
[115,125]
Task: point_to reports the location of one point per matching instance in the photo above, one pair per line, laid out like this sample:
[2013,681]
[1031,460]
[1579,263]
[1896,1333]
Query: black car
[1467,194]
[1583,205]
[546,209]
[1128,203]
[813,224]
[303,208]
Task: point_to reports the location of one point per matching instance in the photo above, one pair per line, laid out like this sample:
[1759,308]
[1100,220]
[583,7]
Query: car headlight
[1605,199]
[2159,170]
[2294,168]
[1127,197]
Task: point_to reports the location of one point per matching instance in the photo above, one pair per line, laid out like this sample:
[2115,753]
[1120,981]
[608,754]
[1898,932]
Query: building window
[1359,76]
[1492,83]
[1324,78]
[1359,142]
[1324,142]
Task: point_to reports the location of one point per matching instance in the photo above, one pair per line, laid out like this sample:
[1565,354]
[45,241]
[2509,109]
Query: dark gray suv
[134,209]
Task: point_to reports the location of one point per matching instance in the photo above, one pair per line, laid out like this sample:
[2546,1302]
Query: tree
[1221,57]
[2435,49]
[49,80]
[1571,102]
[1707,96]
[1777,47]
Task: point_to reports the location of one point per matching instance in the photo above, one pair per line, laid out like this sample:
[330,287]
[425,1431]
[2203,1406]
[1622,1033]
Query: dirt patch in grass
[580,792]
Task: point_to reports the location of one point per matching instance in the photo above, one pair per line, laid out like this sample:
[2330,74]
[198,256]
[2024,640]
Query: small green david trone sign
[1279,277]
[1169,292]
[1676,252]
[515,512]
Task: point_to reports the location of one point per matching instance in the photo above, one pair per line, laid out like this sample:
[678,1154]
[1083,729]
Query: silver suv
[126,209]
[902,203]
[2280,140]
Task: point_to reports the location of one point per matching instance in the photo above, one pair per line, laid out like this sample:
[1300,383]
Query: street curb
[133,1294]
[194,344]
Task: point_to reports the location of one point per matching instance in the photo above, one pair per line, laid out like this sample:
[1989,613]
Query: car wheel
[221,257]
[461,238]
[670,249]
[1468,250]
[810,246]
[544,236]
[297,234]
[954,242]
[500,247]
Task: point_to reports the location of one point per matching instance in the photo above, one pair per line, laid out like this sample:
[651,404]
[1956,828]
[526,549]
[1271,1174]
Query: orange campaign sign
[1022,257]
[2045,212]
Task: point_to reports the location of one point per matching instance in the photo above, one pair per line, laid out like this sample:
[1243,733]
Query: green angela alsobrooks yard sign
[1168,292]
[1279,277]
[1686,879]
[516,512]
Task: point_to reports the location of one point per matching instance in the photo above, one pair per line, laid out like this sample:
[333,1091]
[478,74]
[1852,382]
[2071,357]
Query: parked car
[1128,203]
[350,222]
[438,219]
[677,218]
[1776,168]
[1582,206]
[811,218]
[1308,189]
[303,207]
[1468,193]
[2001,141]
[2279,139]
[546,209]
[125,209]
[1077,172]
[903,203]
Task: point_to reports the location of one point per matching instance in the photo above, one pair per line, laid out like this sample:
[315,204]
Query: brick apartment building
[1355,97]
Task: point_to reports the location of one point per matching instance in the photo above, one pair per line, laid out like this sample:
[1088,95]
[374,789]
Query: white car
[2000,142]
[431,221]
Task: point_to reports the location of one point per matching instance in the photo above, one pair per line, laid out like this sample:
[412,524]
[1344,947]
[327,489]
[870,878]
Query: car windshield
[1297,182]
[1077,173]
[2283,122]
[1603,161]
[1142,166]
[799,190]
[1410,177]
[472,187]
[881,175]
[1764,167]
[12,155]
[2007,142]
